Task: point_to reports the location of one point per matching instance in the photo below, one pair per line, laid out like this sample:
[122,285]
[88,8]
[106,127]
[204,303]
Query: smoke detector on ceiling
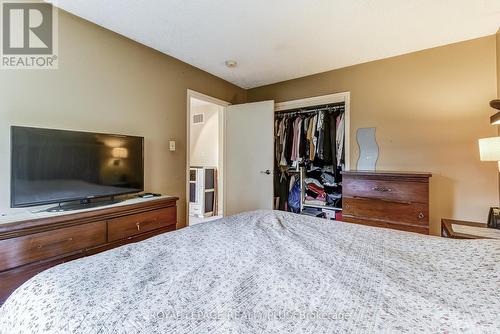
[231,63]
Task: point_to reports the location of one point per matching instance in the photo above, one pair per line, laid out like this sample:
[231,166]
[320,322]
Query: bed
[268,272]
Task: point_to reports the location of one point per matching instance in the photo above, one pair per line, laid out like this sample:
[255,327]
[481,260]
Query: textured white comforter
[268,272]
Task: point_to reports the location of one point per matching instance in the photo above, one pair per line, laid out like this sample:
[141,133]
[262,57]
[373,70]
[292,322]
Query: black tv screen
[55,166]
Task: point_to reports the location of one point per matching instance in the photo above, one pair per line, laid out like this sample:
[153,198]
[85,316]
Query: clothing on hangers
[306,137]
[314,138]
[297,125]
[309,137]
[281,190]
[327,150]
[301,139]
[333,138]
[284,138]
[320,131]
[340,140]
[289,139]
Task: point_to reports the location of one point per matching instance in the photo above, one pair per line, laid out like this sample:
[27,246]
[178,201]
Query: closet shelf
[321,207]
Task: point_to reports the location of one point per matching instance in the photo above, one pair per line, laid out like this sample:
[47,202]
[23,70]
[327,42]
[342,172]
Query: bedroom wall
[204,150]
[108,83]
[429,108]
[498,63]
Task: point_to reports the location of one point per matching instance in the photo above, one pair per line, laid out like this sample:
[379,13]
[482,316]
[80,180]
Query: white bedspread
[268,272]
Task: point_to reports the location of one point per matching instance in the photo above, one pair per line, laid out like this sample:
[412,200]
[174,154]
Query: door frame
[326,99]
[222,132]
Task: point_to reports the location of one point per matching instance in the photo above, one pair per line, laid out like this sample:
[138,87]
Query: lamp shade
[489,149]
[495,104]
[495,119]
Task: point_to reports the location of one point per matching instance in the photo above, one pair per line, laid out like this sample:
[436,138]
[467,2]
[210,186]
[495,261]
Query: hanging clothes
[333,138]
[310,136]
[340,140]
[284,146]
[277,140]
[297,125]
[314,138]
[316,142]
[327,150]
[294,197]
[281,190]
[289,139]
[302,140]
[320,130]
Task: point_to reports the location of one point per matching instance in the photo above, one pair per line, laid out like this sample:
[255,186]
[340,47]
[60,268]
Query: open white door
[249,157]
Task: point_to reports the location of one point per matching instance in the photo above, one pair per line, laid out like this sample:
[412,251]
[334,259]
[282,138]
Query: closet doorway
[205,158]
[312,149]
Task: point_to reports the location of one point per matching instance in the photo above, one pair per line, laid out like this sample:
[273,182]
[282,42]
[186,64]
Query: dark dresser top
[387,173]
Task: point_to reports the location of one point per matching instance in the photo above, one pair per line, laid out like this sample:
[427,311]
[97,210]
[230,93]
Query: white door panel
[249,154]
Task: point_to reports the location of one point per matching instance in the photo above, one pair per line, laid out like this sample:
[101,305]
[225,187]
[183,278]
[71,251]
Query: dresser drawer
[124,227]
[423,229]
[395,212]
[40,246]
[410,192]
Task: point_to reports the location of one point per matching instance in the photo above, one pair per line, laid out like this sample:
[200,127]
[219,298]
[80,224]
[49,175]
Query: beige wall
[498,64]
[204,141]
[429,108]
[107,83]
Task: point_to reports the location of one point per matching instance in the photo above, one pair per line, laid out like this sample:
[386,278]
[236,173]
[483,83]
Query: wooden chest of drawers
[44,245]
[29,247]
[129,226]
[387,199]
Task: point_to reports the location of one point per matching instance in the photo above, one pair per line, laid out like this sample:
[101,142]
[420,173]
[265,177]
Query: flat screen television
[57,166]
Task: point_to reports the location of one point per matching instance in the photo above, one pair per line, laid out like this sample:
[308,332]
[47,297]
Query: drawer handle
[421,215]
[138,224]
[382,189]
[55,243]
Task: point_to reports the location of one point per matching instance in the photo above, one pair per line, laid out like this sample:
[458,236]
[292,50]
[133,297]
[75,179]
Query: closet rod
[307,111]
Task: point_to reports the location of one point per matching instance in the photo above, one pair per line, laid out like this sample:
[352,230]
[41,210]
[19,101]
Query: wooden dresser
[28,247]
[395,200]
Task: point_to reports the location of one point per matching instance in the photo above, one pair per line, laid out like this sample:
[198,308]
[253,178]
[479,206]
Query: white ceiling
[277,40]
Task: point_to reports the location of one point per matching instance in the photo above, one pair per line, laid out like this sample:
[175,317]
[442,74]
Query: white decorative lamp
[489,149]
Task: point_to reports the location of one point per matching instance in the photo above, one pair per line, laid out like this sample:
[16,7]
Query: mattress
[268,272]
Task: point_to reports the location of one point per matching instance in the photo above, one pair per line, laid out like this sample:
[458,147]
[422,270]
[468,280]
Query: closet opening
[205,158]
[311,152]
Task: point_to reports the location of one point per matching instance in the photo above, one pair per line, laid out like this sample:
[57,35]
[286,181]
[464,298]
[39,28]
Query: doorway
[205,158]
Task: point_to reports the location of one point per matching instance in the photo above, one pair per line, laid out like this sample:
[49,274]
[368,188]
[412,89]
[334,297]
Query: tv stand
[28,247]
[83,204]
